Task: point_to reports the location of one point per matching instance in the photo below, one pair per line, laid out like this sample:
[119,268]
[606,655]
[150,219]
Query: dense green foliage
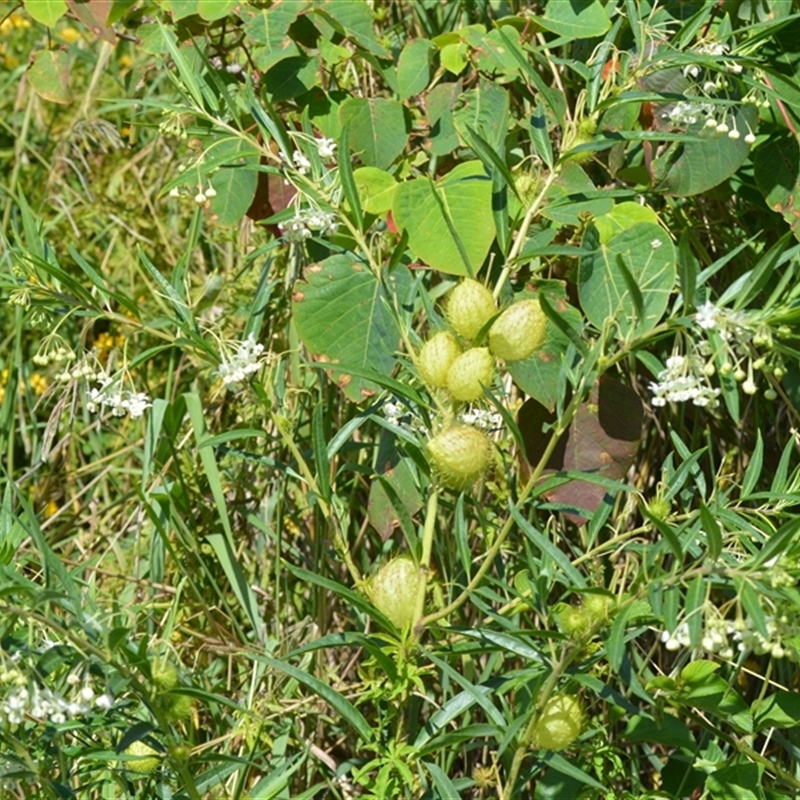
[289,508]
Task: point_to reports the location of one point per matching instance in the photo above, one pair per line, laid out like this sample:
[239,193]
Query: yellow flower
[70,35]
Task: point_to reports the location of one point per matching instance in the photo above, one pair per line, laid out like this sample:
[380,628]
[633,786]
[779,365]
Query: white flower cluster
[685,378]
[482,418]
[326,148]
[119,401]
[44,705]
[246,360]
[685,114]
[305,223]
[725,637]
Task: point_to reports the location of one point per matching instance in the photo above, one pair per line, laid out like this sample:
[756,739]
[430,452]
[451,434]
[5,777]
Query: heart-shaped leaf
[343,315]
[627,279]
[449,223]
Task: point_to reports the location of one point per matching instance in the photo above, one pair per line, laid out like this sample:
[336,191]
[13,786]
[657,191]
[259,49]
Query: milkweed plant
[399,399]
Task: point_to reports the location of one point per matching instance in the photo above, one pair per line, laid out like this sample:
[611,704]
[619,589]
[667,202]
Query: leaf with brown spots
[343,314]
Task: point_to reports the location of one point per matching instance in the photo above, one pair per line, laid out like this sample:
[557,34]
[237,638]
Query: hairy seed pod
[518,331]
[469,307]
[435,358]
[560,723]
[469,373]
[459,456]
[393,590]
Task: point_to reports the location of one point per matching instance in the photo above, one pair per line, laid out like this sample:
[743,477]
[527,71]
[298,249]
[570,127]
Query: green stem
[493,551]
[519,242]
[425,562]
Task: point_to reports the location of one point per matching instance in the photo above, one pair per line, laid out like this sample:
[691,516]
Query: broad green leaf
[235,183]
[737,782]
[291,77]
[414,68]
[449,224]
[779,710]
[375,189]
[691,167]
[180,9]
[573,196]
[377,129]
[49,76]
[777,172]
[666,730]
[649,256]
[354,19]
[343,314]
[216,9]
[269,28]
[621,217]
[393,494]
[484,110]
[495,52]
[439,110]
[454,57]
[577,20]
[48,12]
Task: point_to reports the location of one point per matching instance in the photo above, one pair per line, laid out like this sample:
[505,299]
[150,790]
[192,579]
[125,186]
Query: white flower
[326,148]
[301,162]
[656,243]
[750,138]
[706,316]
[246,360]
[104,701]
[683,379]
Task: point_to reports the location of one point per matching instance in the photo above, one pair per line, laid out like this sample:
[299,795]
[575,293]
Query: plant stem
[493,551]
[519,242]
[425,561]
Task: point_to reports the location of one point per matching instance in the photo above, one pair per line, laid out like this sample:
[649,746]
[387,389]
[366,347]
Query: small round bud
[469,373]
[469,307]
[518,331]
[733,134]
[771,394]
[750,138]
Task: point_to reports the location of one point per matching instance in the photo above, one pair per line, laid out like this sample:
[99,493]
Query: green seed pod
[469,307]
[150,758]
[560,723]
[435,358]
[393,590]
[518,331]
[459,456]
[469,373]
[164,675]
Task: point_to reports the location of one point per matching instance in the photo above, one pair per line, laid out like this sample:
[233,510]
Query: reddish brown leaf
[602,440]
